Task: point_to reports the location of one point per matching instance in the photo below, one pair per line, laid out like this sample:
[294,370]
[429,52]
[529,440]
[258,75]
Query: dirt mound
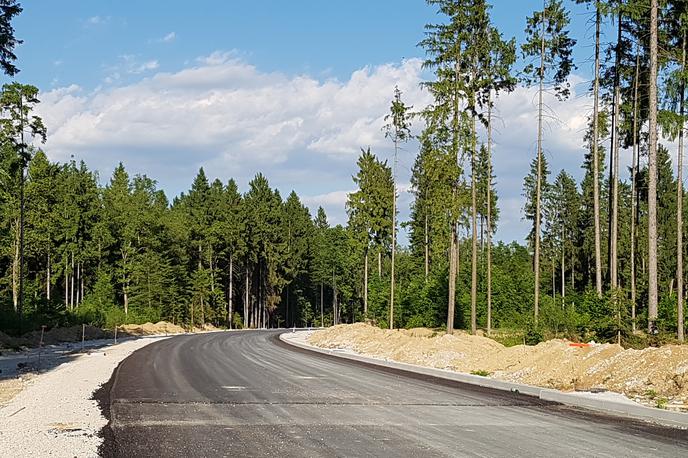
[11,342]
[69,334]
[147,329]
[648,373]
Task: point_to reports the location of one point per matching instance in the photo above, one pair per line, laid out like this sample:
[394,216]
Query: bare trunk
[634,204]
[379,263]
[489,215]
[452,281]
[679,203]
[474,239]
[231,291]
[365,284]
[334,300]
[71,286]
[427,252]
[454,235]
[394,235]
[15,270]
[191,307]
[81,283]
[596,158]
[613,244]
[78,283]
[538,191]
[652,179]
[246,294]
[563,266]
[66,272]
[47,278]
[322,299]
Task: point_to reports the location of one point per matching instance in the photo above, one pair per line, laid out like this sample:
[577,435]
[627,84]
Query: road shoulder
[55,415]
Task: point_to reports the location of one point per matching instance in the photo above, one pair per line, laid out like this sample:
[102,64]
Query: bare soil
[654,376]
[59,335]
[149,329]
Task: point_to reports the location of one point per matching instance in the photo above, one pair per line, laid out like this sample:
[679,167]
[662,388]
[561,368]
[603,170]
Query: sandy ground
[653,376]
[54,414]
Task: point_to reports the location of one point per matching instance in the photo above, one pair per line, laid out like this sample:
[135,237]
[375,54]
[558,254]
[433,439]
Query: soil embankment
[653,376]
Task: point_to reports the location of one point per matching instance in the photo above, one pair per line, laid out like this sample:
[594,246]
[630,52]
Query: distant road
[247,394]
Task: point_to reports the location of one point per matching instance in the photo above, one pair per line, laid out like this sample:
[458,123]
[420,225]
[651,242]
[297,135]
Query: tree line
[604,257]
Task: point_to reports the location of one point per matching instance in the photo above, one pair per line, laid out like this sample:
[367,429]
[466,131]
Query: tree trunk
[613,243]
[489,214]
[66,272]
[679,203]
[191,325]
[334,299]
[379,263]
[596,157]
[563,266]
[246,293]
[71,286]
[427,251]
[78,282]
[365,284]
[454,235]
[452,281]
[634,191]
[15,270]
[47,278]
[474,238]
[652,179]
[231,291]
[21,234]
[538,185]
[322,299]
[394,234]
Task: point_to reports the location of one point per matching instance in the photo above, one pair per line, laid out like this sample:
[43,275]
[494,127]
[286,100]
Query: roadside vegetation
[603,261]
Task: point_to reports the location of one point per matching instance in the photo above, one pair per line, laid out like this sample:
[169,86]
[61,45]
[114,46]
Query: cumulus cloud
[304,132]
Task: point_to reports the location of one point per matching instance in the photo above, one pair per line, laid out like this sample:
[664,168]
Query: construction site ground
[656,377]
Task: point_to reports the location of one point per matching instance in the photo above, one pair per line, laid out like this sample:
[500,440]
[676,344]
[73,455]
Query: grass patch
[481,373]
[662,403]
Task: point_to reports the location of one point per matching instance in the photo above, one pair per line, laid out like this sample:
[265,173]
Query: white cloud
[144,67]
[302,132]
[169,38]
[97,20]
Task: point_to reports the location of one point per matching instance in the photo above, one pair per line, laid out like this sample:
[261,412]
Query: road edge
[615,408]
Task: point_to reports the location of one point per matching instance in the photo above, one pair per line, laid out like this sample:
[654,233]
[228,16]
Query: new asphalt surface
[246,393]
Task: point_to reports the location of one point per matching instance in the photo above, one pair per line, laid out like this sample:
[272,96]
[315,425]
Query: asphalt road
[247,394]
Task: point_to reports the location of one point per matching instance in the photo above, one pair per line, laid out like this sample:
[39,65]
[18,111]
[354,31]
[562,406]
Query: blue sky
[292,89]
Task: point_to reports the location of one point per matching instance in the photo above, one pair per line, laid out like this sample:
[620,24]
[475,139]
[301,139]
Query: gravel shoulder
[51,412]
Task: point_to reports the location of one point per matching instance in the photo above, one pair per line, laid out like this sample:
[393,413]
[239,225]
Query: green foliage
[481,373]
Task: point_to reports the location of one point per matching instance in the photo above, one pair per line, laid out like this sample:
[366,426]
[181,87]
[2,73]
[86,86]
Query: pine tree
[444,45]
[652,179]
[399,131]
[17,102]
[548,41]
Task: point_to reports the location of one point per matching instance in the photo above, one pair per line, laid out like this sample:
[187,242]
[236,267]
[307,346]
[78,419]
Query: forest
[603,259]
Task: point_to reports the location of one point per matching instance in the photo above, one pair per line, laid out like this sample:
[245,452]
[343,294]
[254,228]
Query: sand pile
[651,372]
[148,329]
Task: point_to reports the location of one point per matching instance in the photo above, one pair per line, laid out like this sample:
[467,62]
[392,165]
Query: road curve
[247,394]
